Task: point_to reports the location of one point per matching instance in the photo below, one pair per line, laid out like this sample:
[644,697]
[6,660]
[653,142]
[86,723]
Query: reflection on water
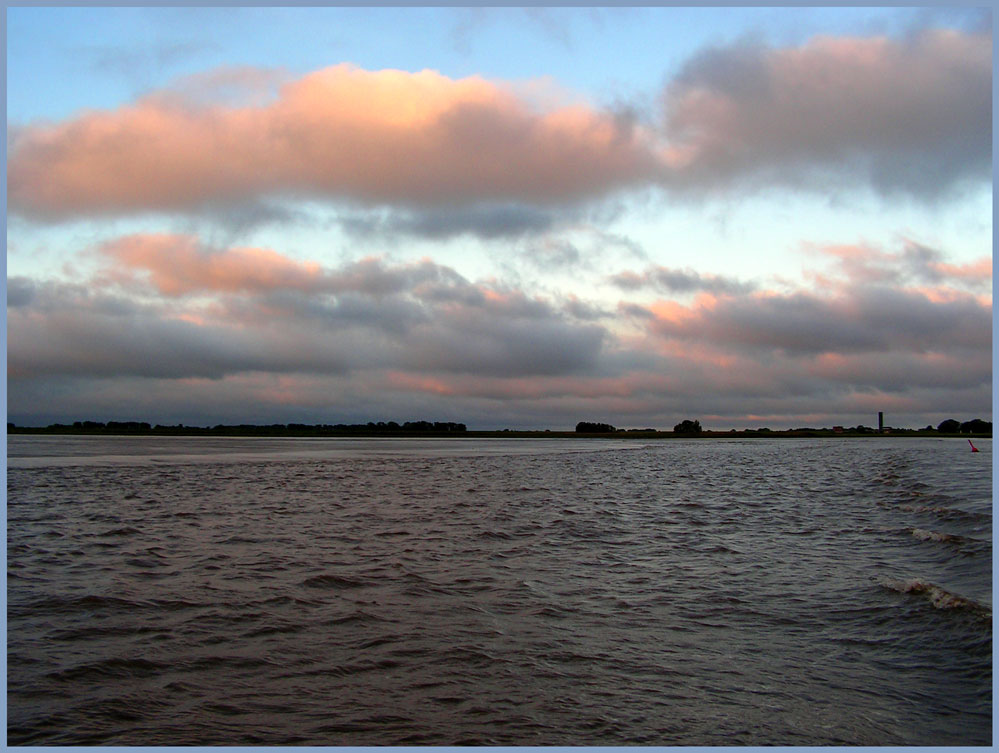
[528,592]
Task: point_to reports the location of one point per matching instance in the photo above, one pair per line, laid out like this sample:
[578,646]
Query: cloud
[178,265]
[175,265]
[870,320]
[871,335]
[862,264]
[666,280]
[68,332]
[127,61]
[905,117]
[505,334]
[226,86]
[20,291]
[195,325]
[418,139]
[904,372]
[167,306]
[909,116]
[487,221]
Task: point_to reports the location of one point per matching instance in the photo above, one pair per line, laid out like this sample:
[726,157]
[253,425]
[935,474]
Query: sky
[506,217]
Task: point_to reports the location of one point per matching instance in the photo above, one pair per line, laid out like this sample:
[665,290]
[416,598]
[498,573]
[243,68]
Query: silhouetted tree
[687,427]
[976,426]
[586,427]
[950,426]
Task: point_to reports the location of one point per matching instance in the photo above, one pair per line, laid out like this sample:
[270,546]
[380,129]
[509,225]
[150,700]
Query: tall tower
[881,421]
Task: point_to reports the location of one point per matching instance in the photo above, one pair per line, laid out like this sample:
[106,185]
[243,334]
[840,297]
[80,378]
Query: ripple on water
[679,593]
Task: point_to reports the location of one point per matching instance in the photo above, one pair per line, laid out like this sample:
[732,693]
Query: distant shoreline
[276,431]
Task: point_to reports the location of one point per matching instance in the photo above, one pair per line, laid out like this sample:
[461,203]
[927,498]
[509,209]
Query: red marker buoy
[973,448]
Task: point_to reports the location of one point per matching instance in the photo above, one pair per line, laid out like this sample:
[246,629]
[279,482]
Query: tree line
[684,427]
[256,430]
[974,426]
[693,427]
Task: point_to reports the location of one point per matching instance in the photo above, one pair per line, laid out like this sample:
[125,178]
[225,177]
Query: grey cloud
[55,297]
[392,316]
[127,60]
[374,277]
[905,117]
[585,311]
[900,373]
[51,399]
[552,254]
[554,23]
[504,334]
[738,70]
[367,315]
[237,220]
[912,321]
[20,291]
[89,344]
[669,280]
[921,259]
[490,222]
[915,263]
[506,347]
[871,320]
[634,311]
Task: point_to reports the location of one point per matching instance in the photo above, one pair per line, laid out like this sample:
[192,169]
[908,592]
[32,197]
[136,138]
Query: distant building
[838,429]
[881,421]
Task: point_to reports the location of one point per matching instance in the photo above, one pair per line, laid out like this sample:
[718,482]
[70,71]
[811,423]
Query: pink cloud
[911,115]
[864,264]
[980,270]
[178,265]
[384,136]
[531,388]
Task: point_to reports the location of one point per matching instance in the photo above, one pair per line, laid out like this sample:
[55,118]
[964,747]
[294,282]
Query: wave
[356,616]
[114,667]
[966,545]
[939,597]
[72,604]
[126,531]
[948,512]
[924,535]
[333,581]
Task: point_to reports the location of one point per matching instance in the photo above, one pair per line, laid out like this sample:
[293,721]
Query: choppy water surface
[462,592]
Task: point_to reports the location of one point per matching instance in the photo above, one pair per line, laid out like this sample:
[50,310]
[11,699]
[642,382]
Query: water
[513,592]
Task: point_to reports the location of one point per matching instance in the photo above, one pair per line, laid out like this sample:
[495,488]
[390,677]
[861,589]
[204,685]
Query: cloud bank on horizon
[478,249]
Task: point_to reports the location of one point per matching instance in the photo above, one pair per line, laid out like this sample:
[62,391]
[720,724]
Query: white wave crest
[924,535]
[937,596]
